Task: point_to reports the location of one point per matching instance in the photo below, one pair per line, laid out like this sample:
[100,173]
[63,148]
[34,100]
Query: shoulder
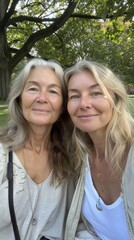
[132,148]
[130,158]
[129,169]
[128,184]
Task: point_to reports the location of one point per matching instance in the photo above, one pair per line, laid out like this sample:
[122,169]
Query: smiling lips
[40,110]
[87,116]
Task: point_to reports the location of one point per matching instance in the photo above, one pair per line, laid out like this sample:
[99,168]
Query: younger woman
[103,127]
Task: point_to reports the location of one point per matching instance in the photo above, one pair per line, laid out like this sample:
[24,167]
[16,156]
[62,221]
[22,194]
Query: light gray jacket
[75,232]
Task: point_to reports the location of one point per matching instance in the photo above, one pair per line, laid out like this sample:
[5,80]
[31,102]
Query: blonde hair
[120,130]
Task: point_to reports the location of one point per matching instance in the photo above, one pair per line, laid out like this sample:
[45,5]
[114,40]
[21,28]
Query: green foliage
[110,42]
[101,30]
[95,30]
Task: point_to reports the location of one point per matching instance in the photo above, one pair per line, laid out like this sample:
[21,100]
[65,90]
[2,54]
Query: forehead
[43,75]
[82,79]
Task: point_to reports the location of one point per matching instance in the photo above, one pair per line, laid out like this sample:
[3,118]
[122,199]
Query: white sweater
[50,209]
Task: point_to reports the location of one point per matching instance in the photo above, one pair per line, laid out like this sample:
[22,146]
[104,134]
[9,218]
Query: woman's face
[88,107]
[42,99]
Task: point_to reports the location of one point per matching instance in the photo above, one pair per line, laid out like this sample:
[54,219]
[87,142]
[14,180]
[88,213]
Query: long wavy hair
[120,130]
[16,133]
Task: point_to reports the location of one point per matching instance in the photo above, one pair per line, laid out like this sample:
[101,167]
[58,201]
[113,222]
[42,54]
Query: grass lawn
[131,103]
[4,111]
[3,115]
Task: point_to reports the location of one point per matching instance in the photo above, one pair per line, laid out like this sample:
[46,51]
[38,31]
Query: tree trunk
[4,78]
[4,54]
[4,68]
[8,61]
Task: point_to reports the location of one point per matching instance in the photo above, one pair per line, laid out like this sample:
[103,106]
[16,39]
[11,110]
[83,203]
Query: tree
[42,26]
[110,42]
[24,23]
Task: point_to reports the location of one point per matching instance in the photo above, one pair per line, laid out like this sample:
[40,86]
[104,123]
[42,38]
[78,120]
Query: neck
[38,142]
[98,151]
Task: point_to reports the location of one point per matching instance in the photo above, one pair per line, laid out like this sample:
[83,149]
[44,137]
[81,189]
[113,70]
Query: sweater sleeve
[3,164]
[128,191]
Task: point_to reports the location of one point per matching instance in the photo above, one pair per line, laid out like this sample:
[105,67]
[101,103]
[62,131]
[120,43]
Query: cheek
[24,104]
[23,99]
[110,113]
[72,108]
[103,106]
[107,109]
[58,105]
[28,99]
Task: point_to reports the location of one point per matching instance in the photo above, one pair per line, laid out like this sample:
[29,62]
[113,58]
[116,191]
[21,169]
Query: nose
[41,98]
[85,102]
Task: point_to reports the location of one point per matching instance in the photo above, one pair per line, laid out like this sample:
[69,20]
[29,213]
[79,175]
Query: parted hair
[120,130]
[15,134]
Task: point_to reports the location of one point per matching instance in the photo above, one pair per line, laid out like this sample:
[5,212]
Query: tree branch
[21,18]
[87,16]
[59,22]
[9,13]
[15,50]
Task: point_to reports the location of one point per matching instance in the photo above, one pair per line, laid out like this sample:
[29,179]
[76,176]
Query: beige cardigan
[82,232]
[51,206]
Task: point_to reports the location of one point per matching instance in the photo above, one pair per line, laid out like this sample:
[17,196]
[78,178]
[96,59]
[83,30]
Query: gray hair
[15,133]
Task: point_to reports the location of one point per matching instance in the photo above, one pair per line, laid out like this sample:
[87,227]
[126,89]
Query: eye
[33,89]
[74,96]
[53,91]
[96,94]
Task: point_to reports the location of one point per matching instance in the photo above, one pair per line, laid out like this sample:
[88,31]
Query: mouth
[40,110]
[87,116]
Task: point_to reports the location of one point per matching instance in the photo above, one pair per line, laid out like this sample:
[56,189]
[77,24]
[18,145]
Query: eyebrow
[90,87]
[31,82]
[94,85]
[36,83]
[54,85]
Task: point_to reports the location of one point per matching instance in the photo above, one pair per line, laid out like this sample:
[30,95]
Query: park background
[66,31]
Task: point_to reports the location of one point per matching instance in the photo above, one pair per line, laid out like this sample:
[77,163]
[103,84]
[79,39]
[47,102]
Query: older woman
[36,136]
[104,129]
